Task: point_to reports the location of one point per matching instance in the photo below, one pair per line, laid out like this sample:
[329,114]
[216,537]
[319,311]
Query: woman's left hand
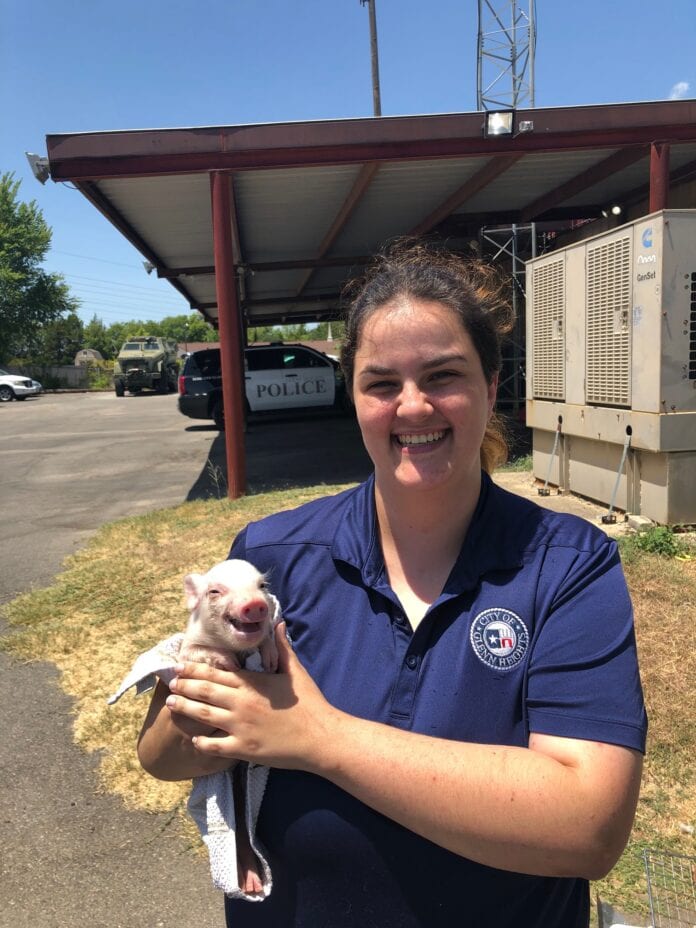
[279,720]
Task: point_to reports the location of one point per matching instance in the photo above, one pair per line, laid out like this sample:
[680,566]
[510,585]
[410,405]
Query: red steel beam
[170,273]
[681,175]
[659,176]
[107,208]
[586,179]
[230,329]
[358,190]
[488,173]
[291,300]
[94,155]
[299,263]
[334,261]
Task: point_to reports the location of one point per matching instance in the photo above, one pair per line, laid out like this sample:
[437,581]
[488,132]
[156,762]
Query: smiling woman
[473,292]
[423,413]
[459,724]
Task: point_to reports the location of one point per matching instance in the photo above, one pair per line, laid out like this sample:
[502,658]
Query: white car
[16,387]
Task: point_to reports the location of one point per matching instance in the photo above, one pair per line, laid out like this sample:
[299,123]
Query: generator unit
[611,366]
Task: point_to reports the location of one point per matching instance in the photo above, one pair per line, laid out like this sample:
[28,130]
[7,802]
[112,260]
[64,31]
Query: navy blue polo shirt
[533,632]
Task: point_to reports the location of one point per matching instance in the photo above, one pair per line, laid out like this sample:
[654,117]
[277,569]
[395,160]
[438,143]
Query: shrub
[660,540]
[100,375]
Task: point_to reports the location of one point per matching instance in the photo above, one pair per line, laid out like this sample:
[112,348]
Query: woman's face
[421,397]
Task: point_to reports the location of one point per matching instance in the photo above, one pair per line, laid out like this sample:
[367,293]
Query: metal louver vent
[692,329]
[549,331]
[608,323]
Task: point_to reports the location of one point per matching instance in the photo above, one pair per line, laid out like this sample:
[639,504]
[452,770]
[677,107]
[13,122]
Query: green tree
[321,333]
[59,341]
[187,328]
[96,335]
[30,297]
[262,333]
[297,333]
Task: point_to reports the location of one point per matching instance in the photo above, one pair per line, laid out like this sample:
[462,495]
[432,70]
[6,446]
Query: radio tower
[505,81]
[505,54]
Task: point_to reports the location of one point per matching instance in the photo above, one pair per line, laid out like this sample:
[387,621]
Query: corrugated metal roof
[309,194]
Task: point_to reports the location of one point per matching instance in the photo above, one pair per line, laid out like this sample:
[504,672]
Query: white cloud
[680,90]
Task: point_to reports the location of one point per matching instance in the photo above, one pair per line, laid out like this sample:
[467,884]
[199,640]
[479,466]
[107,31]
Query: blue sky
[84,66]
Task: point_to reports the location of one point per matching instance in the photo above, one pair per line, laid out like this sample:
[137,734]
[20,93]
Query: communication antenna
[505,54]
[504,83]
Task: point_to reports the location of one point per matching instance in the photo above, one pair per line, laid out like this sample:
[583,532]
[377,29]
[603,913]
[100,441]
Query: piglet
[233,615]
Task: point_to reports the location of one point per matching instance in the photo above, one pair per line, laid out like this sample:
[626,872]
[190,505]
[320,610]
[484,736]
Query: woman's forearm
[559,807]
[564,813]
[165,749]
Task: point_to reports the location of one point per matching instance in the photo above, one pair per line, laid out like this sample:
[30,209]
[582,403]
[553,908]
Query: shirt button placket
[405,690]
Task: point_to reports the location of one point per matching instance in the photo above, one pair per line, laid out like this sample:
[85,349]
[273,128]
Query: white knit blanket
[211,803]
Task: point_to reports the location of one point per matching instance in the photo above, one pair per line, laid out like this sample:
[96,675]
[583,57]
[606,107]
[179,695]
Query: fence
[93,375]
[671,888]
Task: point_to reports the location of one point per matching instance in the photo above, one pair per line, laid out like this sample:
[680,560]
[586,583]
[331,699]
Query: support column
[659,176]
[231,349]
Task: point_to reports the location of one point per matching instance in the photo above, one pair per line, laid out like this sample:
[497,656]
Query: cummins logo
[647,259]
[647,238]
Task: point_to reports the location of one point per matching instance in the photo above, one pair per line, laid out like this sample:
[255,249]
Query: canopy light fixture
[499,122]
[39,167]
[614,210]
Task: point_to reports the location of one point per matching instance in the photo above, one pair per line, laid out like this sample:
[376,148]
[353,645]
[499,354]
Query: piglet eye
[214,593]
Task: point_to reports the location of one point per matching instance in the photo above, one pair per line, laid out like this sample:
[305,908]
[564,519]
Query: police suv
[276,377]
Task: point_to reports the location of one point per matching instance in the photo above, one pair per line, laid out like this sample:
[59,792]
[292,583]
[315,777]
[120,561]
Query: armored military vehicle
[146,362]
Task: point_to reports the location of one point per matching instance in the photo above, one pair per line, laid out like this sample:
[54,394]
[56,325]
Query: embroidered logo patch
[499,638]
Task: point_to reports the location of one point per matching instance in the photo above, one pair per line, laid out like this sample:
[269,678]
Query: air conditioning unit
[611,366]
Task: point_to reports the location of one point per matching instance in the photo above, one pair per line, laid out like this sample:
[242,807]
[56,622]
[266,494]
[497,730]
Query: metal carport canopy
[262,224]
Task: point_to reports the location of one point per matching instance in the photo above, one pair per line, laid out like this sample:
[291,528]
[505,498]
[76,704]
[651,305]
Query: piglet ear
[194,587]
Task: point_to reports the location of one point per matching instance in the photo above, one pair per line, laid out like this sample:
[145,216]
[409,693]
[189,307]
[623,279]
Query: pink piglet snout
[254,610]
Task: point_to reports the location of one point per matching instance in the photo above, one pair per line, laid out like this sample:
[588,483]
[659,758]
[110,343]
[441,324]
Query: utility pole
[376,101]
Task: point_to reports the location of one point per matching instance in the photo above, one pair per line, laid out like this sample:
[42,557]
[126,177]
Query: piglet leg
[248,868]
[268,649]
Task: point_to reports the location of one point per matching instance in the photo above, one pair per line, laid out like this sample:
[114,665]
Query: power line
[114,283]
[97,307]
[70,254]
[96,293]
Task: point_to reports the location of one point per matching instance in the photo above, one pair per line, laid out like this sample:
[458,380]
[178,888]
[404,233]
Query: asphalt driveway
[69,463]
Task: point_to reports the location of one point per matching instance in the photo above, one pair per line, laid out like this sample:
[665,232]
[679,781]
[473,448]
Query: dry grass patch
[664,600]
[123,593]
[116,598]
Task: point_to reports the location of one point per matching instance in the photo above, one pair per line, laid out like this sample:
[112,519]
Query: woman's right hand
[275,719]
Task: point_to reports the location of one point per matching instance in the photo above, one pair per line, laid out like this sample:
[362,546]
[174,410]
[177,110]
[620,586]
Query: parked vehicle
[276,377]
[16,387]
[146,362]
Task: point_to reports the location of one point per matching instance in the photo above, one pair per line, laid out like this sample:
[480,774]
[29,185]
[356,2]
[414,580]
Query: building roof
[313,200]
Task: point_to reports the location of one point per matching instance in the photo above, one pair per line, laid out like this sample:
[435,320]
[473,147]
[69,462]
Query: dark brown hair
[475,291]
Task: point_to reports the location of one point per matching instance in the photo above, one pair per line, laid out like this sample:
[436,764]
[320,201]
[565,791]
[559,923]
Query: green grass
[521,463]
